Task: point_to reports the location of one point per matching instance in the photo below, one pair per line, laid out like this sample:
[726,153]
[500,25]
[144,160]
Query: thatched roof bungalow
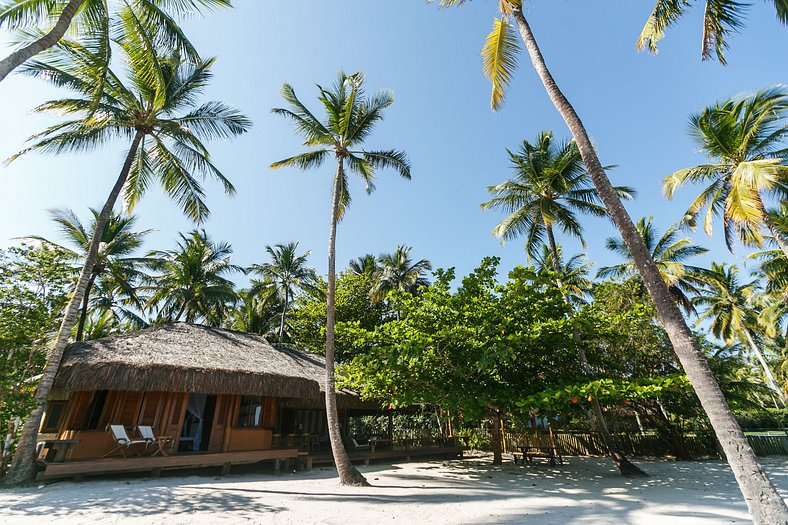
[209,389]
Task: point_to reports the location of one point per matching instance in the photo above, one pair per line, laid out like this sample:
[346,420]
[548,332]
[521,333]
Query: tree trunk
[348,474]
[23,468]
[763,501]
[84,313]
[495,439]
[20,56]
[777,234]
[766,369]
[625,467]
[282,322]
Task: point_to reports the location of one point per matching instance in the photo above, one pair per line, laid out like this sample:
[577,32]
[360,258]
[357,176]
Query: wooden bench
[156,464]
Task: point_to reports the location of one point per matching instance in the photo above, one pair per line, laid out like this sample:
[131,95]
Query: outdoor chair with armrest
[122,440]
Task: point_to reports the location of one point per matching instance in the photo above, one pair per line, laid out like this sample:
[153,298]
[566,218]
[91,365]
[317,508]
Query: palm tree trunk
[348,474]
[23,468]
[766,368]
[625,467]
[20,56]
[282,322]
[777,234]
[84,313]
[765,504]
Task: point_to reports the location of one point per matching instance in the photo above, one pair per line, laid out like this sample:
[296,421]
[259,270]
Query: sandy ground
[584,490]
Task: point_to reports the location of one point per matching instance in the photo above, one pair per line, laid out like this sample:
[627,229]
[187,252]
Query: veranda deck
[156,464]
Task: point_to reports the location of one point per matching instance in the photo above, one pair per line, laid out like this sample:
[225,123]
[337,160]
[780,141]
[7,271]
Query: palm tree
[191,282]
[549,187]
[287,272]
[256,309]
[92,19]
[157,114]
[670,253]
[720,19]
[573,273]
[729,308]
[397,271]
[763,500]
[550,184]
[349,119]
[366,265]
[118,241]
[744,138]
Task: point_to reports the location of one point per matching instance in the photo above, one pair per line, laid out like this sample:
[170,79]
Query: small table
[56,449]
[160,442]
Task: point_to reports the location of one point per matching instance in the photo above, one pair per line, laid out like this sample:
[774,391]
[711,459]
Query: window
[54,414]
[94,411]
[251,411]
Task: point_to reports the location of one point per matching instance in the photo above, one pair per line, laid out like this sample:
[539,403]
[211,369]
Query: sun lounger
[122,440]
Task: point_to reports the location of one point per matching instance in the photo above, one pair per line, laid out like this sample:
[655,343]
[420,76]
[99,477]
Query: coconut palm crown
[745,140]
[670,253]
[397,271]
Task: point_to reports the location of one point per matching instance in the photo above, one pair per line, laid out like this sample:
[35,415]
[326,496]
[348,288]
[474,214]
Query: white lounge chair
[148,435]
[122,440]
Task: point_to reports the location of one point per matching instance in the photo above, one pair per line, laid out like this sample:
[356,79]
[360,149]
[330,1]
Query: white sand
[469,491]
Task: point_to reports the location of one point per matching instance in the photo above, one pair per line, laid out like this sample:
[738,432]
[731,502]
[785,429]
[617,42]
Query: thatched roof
[181,357]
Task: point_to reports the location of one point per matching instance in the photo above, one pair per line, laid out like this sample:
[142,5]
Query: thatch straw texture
[180,357]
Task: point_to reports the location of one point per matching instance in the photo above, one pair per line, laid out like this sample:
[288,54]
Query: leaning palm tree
[42,24]
[287,273]
[728,304]
[118,242]
[154,108]
[670,253]
[745,141]
[721,18]
[349,119]
[549,186]
[397,271]
[499,62]
[191,281]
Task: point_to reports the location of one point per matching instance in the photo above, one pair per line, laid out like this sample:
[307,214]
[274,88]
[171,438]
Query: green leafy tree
[499,62]
[34,285]
[118,242]
[155,109]
[287,272]
[670,253]
[745,140]
[721,18]
[44,23]
[191,282]
[349,119]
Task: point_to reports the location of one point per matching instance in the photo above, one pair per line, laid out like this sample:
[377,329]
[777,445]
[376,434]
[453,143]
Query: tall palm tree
[549,186]
[397,271]
[729,308]
[118,242]
[670,253]
[44,23]
[191,283]
[287,273]
[720,19]
[155,109]
[349,119]
[499,55]
[745,140]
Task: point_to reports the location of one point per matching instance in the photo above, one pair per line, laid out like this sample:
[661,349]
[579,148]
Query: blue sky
[634,105]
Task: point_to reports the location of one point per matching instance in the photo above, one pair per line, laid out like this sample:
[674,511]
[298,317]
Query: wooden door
[172,420]
[220,421]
